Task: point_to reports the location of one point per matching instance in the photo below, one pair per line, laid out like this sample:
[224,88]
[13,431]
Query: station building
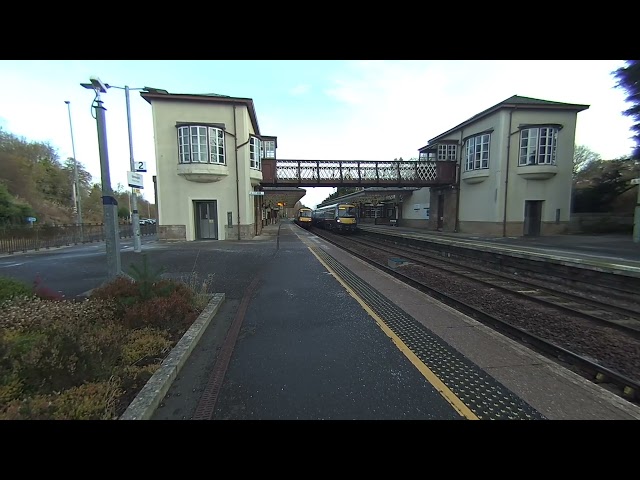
[513,164]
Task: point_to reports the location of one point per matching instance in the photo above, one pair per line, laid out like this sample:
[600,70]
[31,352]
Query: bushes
[87,359]
[10,288]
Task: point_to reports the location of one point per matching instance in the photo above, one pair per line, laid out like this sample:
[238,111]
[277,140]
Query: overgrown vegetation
[605,186]
[63,359]
[34,182]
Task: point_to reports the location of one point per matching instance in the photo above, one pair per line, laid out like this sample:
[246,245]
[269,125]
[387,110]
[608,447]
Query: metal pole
[135,218]
[109,203]
[636,221]
[77,201]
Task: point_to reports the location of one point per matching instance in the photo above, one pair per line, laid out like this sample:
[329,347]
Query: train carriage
[338,216]
[303,217]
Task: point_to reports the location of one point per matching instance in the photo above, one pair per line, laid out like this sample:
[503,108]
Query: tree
[601,182]
[341,191]
[84,177]
[11,210]
[123,213]
[582,156]
[629,79]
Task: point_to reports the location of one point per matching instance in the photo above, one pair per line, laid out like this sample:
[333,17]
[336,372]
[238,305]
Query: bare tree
[583,156]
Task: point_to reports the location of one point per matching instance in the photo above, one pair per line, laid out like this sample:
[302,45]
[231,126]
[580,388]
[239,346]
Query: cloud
[300,89]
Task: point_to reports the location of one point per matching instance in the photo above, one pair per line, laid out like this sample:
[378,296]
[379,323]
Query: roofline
[502,105]
[148,96]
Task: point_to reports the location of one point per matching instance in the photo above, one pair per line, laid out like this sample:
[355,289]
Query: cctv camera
[98,85]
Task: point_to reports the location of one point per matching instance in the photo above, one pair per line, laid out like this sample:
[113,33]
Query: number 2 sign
[141,166]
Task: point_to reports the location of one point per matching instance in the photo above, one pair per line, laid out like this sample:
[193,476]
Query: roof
[371,192]
[515,101]
[157,94]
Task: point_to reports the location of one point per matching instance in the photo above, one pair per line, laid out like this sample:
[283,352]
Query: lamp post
[135,216]
[77,201]
[109,203]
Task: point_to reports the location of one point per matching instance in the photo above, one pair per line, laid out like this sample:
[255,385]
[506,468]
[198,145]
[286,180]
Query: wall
[415,208]
[175,193]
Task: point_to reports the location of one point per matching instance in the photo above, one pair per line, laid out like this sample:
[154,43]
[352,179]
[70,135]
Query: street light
[77,200]
[135,217]
[109,203]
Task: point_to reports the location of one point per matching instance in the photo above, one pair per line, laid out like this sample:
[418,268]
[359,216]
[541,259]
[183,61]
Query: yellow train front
[303,218]
[340,217]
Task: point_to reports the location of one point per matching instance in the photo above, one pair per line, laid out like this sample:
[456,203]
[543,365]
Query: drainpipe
[235,141]
[456,227]
[506,180]
[238,147]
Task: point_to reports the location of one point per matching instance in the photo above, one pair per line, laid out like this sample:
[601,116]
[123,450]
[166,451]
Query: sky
[318,109]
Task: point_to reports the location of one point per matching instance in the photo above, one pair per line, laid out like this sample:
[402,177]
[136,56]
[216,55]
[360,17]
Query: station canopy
[375,195]
[286,196]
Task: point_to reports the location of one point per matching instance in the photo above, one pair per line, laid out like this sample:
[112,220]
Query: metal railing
[22,238]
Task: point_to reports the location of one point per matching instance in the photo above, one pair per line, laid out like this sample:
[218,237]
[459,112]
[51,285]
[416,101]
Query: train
[338,216]
[303,217]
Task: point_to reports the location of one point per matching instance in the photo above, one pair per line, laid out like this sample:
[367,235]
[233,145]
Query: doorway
[440,211]
[532,217]
[206,220]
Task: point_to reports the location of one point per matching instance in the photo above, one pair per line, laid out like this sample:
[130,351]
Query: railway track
[615,316]
[622,378]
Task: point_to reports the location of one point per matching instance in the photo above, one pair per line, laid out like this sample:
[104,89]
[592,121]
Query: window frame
[473,152]
[268,148]
[529,155]
[207,138]
[255,153]
[447,152]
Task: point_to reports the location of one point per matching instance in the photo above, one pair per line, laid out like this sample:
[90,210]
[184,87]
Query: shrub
[91,401]
[145,346]
[145,278]
[52,346]
[173,313]
[44,292]
[10,288]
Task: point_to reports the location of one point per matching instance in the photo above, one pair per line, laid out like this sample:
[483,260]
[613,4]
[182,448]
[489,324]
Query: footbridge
[356,173]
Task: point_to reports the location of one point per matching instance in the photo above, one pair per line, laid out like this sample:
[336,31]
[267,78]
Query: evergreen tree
[629,79]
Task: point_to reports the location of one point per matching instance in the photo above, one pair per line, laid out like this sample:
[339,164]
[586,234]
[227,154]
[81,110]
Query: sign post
[135,180]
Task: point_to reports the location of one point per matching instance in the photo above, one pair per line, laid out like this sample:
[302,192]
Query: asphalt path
[71,271]
[306,350]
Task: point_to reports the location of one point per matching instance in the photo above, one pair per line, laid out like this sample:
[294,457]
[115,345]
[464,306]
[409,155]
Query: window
[200,144]
[477,152]
[254,153]
[346,212]
[268,149]
[447,152]
[538,146]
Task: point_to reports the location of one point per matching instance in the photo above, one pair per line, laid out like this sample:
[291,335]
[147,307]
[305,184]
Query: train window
[349,211]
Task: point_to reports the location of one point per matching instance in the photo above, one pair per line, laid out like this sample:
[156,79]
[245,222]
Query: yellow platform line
[431,377]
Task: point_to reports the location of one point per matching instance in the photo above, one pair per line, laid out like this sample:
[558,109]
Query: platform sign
[256,194]
[135,179]
[141,166]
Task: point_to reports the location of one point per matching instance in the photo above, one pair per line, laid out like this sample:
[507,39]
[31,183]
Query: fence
[23,237]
